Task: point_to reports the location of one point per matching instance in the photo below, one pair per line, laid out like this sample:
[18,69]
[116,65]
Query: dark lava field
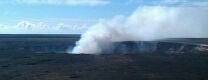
[44,57]
[52,66]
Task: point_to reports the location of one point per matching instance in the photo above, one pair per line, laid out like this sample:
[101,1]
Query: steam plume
[145,23]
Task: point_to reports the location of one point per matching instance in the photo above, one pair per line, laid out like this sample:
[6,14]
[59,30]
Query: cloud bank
[186,3]
[59,2]
[145,23]
[29,27]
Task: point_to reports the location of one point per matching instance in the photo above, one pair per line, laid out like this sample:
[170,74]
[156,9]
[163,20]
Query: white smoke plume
[145,23]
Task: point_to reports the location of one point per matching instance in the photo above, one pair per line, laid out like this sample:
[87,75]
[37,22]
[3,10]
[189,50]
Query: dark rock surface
[37,43]
[52,66]
[41,57]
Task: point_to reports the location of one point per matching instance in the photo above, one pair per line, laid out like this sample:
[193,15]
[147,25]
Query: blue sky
[12,12]
[67,13]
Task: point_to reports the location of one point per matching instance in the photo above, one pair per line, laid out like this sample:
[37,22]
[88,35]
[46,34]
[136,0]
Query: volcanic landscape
[47,57]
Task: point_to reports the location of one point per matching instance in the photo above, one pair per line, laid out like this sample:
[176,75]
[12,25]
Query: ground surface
[52,66]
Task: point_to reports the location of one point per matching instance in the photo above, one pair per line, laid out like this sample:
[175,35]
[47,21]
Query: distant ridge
[40,35]
[187,40]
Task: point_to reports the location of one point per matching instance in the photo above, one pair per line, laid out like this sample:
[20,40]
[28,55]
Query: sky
[70,16]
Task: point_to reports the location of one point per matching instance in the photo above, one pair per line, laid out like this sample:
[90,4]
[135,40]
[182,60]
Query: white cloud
[88,2]
[176,3]
[202,4]
[29,27]
[59,2]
